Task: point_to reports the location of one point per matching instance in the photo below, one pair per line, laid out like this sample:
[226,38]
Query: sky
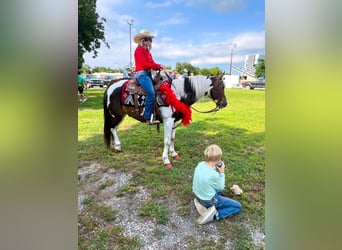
[203,33]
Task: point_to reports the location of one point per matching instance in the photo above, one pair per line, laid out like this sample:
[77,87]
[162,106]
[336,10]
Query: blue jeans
[145,79]
[225,206]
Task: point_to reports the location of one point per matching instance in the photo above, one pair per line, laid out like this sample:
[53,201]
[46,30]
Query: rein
[177,126]
[205,112]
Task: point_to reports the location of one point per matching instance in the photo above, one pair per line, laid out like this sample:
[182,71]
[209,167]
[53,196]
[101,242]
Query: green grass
[154,210]
[238,129]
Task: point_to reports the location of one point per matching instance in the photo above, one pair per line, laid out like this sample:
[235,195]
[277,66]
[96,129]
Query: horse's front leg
[116,144]
[168,124]
[173,152]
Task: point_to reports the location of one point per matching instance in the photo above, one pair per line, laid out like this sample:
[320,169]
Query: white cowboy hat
[143,33]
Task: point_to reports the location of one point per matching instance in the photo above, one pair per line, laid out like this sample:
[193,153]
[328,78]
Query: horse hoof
[176,157]
[168,165]
[117,150]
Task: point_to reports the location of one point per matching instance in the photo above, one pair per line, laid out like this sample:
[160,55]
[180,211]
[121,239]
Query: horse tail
[107,122]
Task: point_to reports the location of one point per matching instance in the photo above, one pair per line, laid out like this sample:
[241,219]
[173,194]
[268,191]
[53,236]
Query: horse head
[217,91]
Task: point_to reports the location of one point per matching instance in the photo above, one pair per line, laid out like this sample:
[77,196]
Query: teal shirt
[80,80]
[206,181]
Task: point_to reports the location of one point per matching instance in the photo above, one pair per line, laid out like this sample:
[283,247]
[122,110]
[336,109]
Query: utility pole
[130,23]
[231,57]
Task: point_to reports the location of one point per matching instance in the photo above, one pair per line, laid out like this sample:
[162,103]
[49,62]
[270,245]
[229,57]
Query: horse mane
[194,87]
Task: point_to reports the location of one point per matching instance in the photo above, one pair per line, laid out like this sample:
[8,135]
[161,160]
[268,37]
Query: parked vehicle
[259,83]
[93,80]
[109,78]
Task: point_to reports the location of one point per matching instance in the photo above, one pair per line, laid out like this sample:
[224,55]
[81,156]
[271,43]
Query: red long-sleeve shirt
[143,60]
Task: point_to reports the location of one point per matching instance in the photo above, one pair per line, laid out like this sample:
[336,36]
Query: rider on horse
[144,63]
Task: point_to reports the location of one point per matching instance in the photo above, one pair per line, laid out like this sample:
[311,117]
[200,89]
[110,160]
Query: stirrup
[153,122]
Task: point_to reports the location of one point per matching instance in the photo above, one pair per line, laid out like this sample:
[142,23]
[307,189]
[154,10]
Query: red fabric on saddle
[179,106]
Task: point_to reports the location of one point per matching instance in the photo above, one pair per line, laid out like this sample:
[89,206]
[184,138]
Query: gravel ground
[172,235]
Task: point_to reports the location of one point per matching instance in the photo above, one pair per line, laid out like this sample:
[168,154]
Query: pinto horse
[187,90]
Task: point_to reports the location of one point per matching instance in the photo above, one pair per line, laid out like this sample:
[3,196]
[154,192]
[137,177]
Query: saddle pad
[129,91]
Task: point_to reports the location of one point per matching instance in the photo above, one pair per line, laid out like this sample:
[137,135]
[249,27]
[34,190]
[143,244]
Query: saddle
[133,94]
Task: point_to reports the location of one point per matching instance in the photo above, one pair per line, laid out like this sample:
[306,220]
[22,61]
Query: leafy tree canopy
[181,66]
[184,66]
[86,69]
[260,68]
[90,29]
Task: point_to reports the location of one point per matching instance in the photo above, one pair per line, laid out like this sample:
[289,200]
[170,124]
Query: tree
[205,72]
[215,71]
[195,70]
[90,29]
[85,69]
[260,68]
[180,67]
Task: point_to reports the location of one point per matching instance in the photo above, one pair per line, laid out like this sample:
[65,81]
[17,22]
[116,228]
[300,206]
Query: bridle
[217,108]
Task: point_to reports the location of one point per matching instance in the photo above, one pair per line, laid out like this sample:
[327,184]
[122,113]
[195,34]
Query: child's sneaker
[200,208]
[208,216]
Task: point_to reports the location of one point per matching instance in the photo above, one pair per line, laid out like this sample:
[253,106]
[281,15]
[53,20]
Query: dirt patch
[175,234]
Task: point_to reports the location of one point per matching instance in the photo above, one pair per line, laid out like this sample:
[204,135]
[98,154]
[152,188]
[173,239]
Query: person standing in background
[80,83]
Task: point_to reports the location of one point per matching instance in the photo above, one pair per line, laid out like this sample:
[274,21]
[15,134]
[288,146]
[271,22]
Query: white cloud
[217,5]
[250,40]
[214,48]
[174,21]
[166,49]
[159,4]
[211,53]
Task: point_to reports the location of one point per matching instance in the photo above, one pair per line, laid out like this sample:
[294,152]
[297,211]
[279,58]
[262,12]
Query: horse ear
[218,76]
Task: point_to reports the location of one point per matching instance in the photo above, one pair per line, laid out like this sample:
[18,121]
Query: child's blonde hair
[213,153]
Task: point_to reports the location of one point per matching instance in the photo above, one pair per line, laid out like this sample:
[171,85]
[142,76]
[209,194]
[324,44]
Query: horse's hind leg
[116,144]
